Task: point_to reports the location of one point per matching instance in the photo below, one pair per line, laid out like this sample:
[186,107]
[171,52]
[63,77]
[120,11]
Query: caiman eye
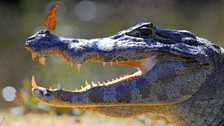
[142,32]
[145,31]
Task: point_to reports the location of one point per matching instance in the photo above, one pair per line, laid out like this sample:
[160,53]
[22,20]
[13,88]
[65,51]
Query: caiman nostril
[30,38]
[27,44]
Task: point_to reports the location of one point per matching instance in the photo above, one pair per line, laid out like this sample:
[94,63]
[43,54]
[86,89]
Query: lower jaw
[143,66]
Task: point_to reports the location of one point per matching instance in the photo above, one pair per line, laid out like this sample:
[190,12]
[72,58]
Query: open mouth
[142,66]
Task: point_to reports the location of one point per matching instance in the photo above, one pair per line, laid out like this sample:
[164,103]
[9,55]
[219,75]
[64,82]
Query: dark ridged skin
[186,83]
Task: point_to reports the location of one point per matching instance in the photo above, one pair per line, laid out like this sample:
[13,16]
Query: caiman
[179,75]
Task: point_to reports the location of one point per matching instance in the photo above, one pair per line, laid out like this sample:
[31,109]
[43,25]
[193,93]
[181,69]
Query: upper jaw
[117,50]
[81,50]
[119,47]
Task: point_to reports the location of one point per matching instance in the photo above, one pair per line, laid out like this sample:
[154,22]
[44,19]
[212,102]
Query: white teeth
[59,86]
[79,67]
[44,91]
[34,83]
[86,83]
[104,63]
[43,60]
[92,84]
[71,64]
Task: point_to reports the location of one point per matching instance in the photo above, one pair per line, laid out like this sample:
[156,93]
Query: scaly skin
[180,76]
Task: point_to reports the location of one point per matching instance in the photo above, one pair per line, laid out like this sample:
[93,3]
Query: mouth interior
[142,65]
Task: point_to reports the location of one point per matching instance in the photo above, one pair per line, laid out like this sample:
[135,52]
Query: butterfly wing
[50,20]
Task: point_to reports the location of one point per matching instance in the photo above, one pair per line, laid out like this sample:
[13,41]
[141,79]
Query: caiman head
[171,64]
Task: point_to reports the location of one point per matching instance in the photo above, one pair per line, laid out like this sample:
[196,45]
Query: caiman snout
[29,40]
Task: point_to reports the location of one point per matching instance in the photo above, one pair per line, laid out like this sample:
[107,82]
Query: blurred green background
[89,19]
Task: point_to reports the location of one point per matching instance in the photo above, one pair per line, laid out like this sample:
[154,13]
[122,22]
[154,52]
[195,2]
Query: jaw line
[146,65]
[45,94]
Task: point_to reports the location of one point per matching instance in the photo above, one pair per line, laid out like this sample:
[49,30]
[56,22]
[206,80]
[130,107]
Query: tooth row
[87,87]
[42,59]
[93,84]
[35,86]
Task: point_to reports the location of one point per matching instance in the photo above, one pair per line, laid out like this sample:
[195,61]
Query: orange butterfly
[50,20]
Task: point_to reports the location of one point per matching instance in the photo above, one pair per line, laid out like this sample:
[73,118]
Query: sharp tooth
[34,83]
[34,56]
[79,67]
[104,63]
[59,86]
[71,64]
[92,84]
[50,88]
[43,60]
[44,91]
[86,83]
